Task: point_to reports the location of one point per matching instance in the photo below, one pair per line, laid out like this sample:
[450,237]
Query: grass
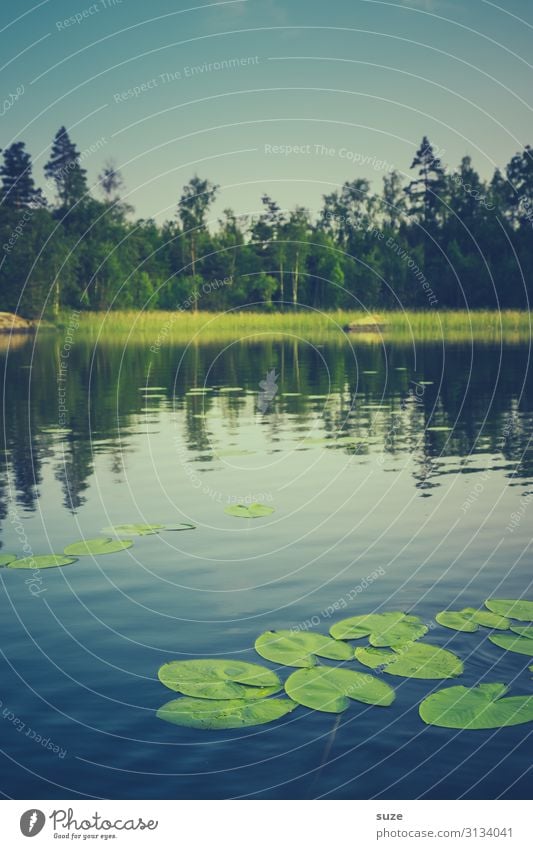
[163,328]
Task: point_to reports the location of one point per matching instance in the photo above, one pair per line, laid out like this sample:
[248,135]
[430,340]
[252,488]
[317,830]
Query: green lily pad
[219,679]
[133,530]
[251,511]
[329,689]
[41,561]
[469,619]
[384,629]
[100,545]
[438,428]
[512,642]
[181,526]
[231,389]
[297,648]
[418,660]
[226,713]
[523,630]
[476,708]
[513,608]
[5,559]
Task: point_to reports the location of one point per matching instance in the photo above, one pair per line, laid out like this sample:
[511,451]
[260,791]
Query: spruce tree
[423,193]
[18,187]
[65,170]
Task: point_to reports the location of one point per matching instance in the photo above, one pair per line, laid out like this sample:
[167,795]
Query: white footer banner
[263,824]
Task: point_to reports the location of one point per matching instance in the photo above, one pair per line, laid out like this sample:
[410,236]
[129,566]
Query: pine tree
[423,193]
[65,170]
[18,187]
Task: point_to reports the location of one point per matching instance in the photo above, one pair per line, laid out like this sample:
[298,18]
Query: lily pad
[384,629]
[219,679]
[418,660]
[100,545]
[226,713]
[296,648]
[329,689]
[251,511]
[513,608]
[476,708]
[41,561]
[231,389]
[133,530]
[523,630]
[512,642]
[469,619]
[181,526]
[6,559]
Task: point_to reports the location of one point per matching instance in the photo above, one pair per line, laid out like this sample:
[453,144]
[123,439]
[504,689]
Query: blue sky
[290,98]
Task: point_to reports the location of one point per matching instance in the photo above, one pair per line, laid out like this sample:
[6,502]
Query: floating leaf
[5,559]
[511,642]
[181,526]
[418,660]
[100,545]
[329,688]
[476,708]
[439,428]
[219,679]
[384,629]
[469,619]
[41,561]
[523,630]
[296,648]
[229,713]
[133,530]
[513,608]
[455,620]
[252,511]
[230,389]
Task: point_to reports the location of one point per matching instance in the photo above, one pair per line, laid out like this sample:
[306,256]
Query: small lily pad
[476,708]
[296,648]
[523,630]
[41,561]
[226,713]
[329,689]
[439,428]
[512,608]
[251,511]
[6,559]
[100,545]
[512,642]
[133,530]
[469,619]
[418,660]
[181,526]
[219,679]
[384,629]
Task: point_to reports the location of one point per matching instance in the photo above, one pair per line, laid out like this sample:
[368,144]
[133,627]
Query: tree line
[443,239]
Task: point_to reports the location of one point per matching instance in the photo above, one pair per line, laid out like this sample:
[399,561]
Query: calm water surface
[402,479]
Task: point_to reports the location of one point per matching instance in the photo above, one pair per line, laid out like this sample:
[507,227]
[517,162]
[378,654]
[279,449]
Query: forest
[444,239]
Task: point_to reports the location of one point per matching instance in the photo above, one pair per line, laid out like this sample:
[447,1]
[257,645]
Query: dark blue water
[343,447]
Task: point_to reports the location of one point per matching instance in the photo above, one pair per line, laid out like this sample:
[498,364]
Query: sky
[288,98]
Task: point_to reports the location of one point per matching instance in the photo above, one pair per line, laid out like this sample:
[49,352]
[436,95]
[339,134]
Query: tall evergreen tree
[197,197]
[18,187]
[65,170]
[424,192]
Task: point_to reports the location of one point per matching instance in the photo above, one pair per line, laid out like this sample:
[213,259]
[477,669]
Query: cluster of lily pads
[223,694]
[93,547]
[109,545]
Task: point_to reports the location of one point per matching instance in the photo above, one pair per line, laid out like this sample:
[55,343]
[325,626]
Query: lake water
[402,479]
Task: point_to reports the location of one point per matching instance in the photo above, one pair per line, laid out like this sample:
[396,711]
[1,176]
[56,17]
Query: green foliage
[99,545]
[515,643]
[6,559]
[511,608]
[41,561]
[418,660]
[300,648]
[384,629]
[476,708]
[470,619]
[219,679]
[219,715]
[329,689]
[251,511]
[133,530]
